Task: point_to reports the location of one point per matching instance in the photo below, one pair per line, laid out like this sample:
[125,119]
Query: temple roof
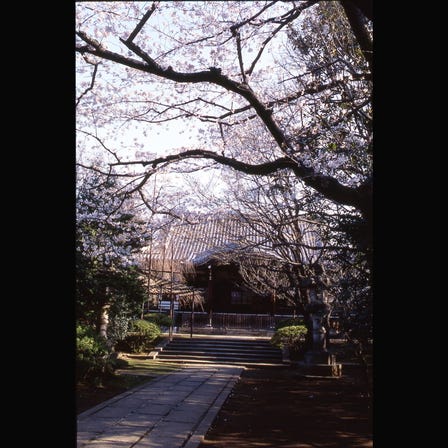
[218,236]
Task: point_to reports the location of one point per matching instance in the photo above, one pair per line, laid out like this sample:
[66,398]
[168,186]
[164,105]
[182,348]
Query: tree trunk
[104,320]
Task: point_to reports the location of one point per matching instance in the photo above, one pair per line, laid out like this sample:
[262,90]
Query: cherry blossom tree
[109,235]
[287,83]
[296,230]
[282,253]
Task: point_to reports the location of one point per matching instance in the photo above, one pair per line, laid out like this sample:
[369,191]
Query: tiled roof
[215,236]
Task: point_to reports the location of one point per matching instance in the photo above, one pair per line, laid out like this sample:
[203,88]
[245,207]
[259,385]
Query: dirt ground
[276,407]
[87,396]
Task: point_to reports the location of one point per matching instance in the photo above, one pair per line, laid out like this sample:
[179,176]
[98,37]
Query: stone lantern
[317,359]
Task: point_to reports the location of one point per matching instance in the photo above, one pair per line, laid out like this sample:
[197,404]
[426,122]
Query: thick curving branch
[357,17]
[213,76]
[332,189]
[358,197]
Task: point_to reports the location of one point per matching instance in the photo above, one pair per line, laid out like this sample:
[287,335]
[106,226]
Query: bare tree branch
[101,143]
[142,22]
[213,76]
[104,173]
[308,90]
[326,185]
[92,82]
[250,19]
[240,55]
[270,37]
[331,188]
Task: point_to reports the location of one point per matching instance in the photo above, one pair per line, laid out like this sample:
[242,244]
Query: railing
[230,320]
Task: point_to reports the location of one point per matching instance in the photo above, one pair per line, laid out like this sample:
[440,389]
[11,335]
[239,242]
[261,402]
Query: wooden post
[210,296]
[192,316]
[171,298]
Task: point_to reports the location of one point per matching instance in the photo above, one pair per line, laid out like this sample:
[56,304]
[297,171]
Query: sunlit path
[173,411]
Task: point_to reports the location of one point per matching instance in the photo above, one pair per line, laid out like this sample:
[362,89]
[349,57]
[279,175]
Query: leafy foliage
[122,313]
[141,336]
[145,328]
[295,321]
[160,319]
[291,337]
[93,356]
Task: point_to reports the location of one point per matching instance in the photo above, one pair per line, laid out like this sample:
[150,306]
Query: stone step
[230,350]
[214,347]
[242,342]
[186,358]
[222,353]
[220,350]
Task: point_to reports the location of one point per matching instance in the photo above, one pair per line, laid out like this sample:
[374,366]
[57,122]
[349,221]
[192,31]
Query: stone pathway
[173,411]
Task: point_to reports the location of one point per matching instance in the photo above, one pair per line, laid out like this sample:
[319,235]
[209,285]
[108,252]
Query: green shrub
[120,319]
[145,328]
[160,319]
[141,336]
[93,357]
[292,338]
[294,321]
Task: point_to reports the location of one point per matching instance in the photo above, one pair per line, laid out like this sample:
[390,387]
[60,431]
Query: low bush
[160,319]
[294,321]
[291,337]
[141,337]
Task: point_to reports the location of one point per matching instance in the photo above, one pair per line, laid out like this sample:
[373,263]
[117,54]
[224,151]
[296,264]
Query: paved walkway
[172,411]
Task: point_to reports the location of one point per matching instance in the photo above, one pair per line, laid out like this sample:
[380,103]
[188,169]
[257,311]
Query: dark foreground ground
[276,407]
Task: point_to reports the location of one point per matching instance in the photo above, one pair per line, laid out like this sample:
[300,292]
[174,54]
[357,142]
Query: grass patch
[133,371]
[146,366]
